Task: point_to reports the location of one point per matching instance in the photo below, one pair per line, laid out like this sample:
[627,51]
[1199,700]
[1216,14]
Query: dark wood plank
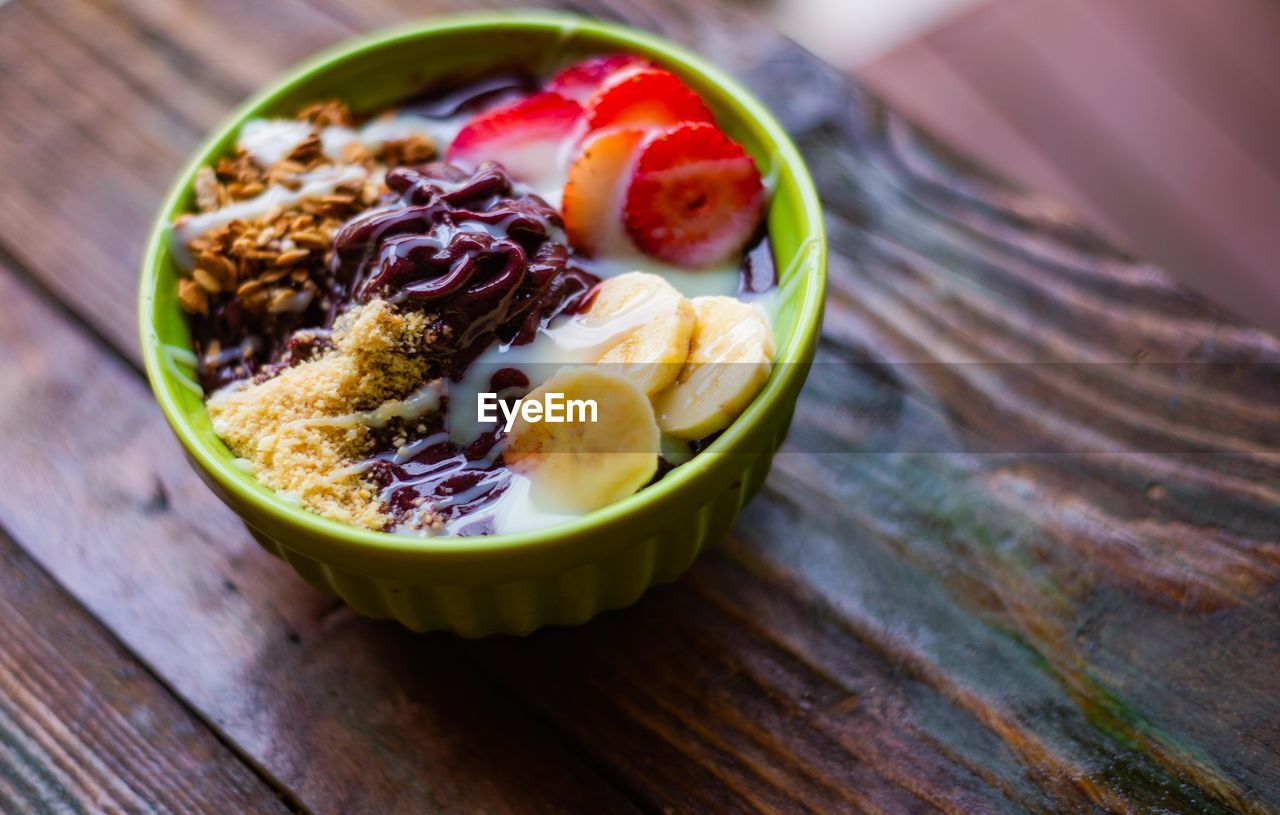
[1105,557]
[993,629]
[731,694]
[84,728]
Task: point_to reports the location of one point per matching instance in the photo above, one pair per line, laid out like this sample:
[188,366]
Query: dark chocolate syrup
[483,259]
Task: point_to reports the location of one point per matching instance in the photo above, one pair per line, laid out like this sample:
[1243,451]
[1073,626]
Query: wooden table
[1034,568]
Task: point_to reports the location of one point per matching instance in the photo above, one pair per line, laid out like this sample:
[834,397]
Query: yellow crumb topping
[305,428]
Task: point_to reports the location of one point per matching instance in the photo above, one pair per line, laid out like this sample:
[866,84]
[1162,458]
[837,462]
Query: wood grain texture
[1035,571]
[83,728]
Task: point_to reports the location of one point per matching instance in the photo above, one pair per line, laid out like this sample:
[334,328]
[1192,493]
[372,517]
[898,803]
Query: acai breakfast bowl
[374,298]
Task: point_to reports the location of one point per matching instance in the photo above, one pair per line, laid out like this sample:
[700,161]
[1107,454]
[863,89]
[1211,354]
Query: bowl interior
[376,72]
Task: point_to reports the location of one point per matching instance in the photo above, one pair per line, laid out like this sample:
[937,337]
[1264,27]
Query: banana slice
[578,466]
[729,361]
[647,325]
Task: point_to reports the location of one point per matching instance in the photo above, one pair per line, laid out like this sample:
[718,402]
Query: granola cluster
[271,269]
[268,263]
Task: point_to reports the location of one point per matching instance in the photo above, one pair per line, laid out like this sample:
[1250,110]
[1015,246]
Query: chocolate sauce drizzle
[484,259]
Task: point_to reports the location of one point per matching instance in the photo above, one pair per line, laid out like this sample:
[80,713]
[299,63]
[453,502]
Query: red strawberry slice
[653,99]
[526,137]
[696,199]
[593,195]
[580,81]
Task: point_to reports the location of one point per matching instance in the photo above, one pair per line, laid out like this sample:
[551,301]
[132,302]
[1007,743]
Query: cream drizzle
[318,182]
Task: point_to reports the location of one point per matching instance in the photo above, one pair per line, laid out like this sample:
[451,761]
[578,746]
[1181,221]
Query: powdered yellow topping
[304,429]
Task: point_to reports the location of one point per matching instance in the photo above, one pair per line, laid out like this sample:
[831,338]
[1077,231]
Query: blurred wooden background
[1156,121]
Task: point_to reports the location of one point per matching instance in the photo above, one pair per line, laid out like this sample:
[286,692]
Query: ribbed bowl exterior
[520,606]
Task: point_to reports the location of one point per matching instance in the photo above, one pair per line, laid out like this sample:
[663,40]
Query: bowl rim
[322,537]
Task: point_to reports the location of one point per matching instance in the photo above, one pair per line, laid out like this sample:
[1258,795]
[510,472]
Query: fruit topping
[645,99]
[696,198]
[578,466]
[580,81]
[526,137]
[594,192]
[729,361]
[648,324]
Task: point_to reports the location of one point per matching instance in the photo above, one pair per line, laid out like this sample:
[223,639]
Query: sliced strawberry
[593,195]
[526,137]
[652,99]
[695,199]
[580,81]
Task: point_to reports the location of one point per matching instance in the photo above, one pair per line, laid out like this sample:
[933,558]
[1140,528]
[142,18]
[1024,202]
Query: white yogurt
[515,510]
[392,127]
[271,140]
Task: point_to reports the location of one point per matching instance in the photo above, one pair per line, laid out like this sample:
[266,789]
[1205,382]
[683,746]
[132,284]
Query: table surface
[1035,569]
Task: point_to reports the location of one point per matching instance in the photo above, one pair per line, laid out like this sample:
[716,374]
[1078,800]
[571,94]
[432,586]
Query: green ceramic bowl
[559,575]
